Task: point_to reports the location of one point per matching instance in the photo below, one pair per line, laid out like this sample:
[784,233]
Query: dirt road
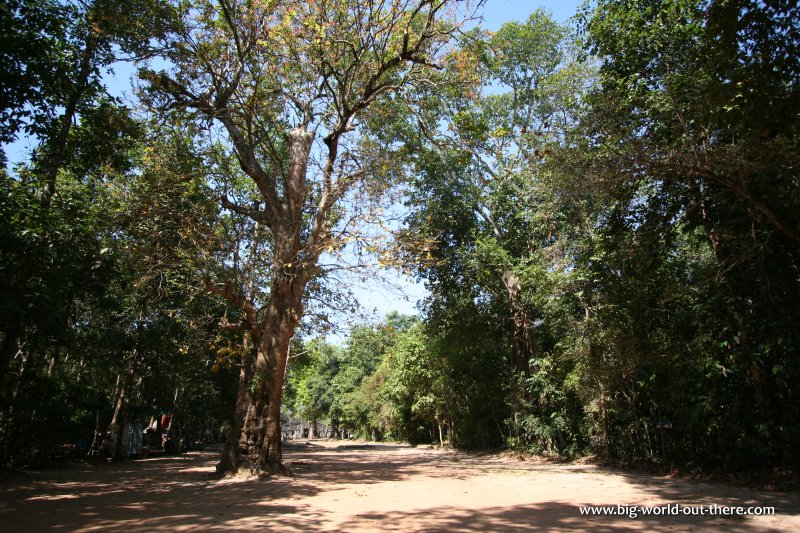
[369,487]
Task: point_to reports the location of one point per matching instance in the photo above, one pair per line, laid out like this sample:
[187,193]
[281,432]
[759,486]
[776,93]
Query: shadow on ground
[167,493]
[180,494]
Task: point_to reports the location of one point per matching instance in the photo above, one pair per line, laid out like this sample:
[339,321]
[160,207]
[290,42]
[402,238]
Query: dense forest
[606,215]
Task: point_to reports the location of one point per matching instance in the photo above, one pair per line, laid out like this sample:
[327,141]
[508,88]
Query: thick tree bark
[230,455]
[260,450]
[523,344]
[260,442]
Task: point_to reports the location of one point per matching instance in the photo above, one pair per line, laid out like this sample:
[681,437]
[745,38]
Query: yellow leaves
[288,18]
[264,5]
[228,353]
[388,259]
[499,132]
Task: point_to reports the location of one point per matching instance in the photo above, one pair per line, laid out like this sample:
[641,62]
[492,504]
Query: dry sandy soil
[367,487]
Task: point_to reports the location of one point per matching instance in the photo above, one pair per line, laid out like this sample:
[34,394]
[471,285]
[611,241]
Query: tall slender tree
[283,86]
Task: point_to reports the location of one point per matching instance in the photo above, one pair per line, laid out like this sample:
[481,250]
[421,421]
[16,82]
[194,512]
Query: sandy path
[362,487]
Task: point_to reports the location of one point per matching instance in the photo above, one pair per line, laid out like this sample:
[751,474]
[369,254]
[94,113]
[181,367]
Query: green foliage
[638,232]
[498,255]
[33,43]
[351,392]
[54,54]
[309,377]
[95,295]
[410,387]
[687,155]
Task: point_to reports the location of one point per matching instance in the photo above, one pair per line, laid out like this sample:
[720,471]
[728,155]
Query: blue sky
[496,12]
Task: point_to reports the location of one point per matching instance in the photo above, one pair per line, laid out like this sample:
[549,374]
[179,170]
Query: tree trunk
[118,419]
[713,236]
[115,427]
[523,345]
[115,419]
[9,347]
[58,144]
[230,455]
[312,431]
[260,450]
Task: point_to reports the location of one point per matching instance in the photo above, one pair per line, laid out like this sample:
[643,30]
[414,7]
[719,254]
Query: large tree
[283,87]
[54,55]
[495,246]
[689,155]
